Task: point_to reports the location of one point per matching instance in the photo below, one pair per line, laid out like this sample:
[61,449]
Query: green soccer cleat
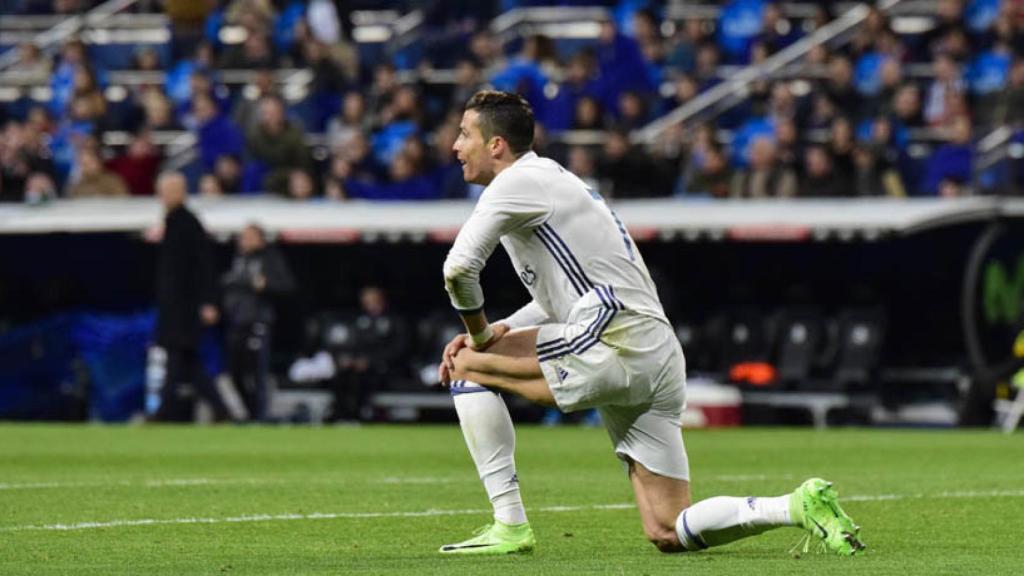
[496,538]
[815,506]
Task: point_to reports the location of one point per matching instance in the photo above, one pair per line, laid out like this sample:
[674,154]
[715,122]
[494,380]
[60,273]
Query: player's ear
[495,145]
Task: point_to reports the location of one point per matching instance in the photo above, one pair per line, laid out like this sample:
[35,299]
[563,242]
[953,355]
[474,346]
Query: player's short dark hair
[504,114]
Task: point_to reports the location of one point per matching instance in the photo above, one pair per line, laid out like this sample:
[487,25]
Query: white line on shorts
[435,512]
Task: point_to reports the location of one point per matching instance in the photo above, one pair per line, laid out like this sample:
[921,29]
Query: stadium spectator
[138,165]
[157,110]
[200,83]
[948,81]
[1010,103]
[468,79]
[39,188]
[254,53]
[950,21]
[487,50]
[216,134]
[950,168]
[301,185]
[839,86]
[449,170]
[31,64]
[681,53]
[891,77]
[788,148]
[820,176]
[840,147]
[589,115]
[383,338]
[628,172]
[258,274]
[685,89]
[875,176]
[405,184]
[385,83]
[907,107]
[228,172]
[186,301]
[764,177]
[356,161]
[209,186]
[583,163]
[95,181]
[350,121]
[62,83]
[875,23]
[777,32]
[708,59]
[632,111]
[187,19]
[277,144]
[328,81]
[822,112]
[621,67]
[246,113]
[146,59]
[713,176]
[23,153]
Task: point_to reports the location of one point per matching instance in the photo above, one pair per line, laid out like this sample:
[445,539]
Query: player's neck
[507,160]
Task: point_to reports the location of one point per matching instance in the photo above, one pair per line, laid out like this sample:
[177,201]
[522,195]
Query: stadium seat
[801,338]
[740,335]
[861,334]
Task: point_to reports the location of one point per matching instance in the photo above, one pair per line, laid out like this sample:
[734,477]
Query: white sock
[724,519]
[491,440]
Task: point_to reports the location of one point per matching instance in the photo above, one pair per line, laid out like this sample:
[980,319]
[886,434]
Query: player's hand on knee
[447,366]
[444,376]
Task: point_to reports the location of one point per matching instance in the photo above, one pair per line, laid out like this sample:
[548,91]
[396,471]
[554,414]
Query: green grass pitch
[380,500]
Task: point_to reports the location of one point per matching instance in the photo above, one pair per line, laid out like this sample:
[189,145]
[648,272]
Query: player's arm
[533,314]
[515,203]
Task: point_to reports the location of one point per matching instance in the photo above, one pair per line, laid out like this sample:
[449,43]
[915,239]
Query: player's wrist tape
[482,337]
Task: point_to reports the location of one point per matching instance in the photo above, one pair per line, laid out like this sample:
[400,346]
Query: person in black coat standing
[257,275]
[186,292]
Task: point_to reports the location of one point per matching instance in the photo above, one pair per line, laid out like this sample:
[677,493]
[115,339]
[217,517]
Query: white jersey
[563,240]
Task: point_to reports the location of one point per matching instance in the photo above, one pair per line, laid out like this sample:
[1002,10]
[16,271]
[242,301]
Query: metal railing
[65,29]
[736,89]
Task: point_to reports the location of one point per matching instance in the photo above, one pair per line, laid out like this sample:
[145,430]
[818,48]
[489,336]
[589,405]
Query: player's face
[472,152]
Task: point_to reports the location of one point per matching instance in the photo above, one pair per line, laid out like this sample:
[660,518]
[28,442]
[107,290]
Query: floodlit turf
[253,500]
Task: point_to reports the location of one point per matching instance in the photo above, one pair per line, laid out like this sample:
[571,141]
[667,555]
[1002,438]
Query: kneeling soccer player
[595,335]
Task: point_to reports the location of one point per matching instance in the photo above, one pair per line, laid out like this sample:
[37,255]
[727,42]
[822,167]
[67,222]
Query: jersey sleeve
[533,314]
[511,203]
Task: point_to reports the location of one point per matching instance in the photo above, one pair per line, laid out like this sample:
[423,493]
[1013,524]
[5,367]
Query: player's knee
[664,539]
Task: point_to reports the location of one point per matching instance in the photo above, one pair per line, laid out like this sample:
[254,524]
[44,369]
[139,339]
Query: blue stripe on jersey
[573,262]
[592,334]
[608,300]
[586,339]
[549,244]
[558,344]
[615,299]
[625,235]
[469,390]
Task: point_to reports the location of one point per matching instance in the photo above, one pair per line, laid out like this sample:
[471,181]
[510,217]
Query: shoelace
[803,546]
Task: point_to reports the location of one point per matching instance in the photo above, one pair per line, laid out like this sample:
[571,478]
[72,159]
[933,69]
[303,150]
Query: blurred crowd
[377,124]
